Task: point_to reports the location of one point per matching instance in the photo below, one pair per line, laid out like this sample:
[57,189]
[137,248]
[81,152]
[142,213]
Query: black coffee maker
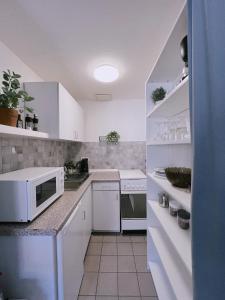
[82,166]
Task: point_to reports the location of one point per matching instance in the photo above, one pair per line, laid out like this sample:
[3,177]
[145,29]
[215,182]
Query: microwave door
[42,193]
[45,190]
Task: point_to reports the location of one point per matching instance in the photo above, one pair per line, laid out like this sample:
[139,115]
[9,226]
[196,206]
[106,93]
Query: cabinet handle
[117,197]
[84,215]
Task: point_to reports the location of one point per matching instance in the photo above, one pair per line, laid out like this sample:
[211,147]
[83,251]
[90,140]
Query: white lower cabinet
[51,267]
[45,266]
[106,206]
[72,242]
[70,256]
[87,216]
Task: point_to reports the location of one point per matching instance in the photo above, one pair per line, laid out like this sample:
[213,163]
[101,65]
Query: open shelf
[181,239]
[160,281]
[180,142]
[14,131]
[178,280]
[177,101]
[180,195]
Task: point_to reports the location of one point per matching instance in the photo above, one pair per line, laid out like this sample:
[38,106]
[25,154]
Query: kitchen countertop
[54,217]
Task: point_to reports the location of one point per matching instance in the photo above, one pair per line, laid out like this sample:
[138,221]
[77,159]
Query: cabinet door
[70,256]
[45,105]
[66,115]
[87,217]
[79,121]
[106,211]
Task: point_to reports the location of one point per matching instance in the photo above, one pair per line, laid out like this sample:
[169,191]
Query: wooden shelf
[14,131]
[177,280]
[177,101]
[155,143]
[180,195]
[181,239]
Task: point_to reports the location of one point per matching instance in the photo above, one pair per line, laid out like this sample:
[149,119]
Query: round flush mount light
[106,73]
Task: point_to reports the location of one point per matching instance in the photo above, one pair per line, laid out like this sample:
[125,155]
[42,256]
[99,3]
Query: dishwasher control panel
[133,184]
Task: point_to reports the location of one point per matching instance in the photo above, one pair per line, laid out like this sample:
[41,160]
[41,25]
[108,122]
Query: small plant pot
[8,116]
[183,218]
[173,208]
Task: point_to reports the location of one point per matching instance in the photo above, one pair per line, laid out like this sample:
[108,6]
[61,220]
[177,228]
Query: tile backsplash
[21,152]
[125,155]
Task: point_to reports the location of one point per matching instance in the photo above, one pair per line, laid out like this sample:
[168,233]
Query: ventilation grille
[103,97]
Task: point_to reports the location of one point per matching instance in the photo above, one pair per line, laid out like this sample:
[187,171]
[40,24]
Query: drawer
[106,186]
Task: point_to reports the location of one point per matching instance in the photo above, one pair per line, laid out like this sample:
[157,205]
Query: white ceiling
[64,40]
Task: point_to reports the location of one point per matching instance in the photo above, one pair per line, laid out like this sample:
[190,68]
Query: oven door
[42,192]
[133,211]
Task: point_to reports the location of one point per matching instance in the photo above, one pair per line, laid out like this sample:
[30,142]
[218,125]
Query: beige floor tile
[108,263]
[109,249]
[91,263]
[106,298]
[129,298]
[139,248]
[149,298]
[89,284]
[141,263]
[96,239]
[146,284]
[86,298]
[128,284]
[124,249]
[123,239]
[138,238]
[109,239]
[126,264]
[107,284]
[94,249]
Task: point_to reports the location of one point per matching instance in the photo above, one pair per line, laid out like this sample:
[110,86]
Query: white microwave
[25,193]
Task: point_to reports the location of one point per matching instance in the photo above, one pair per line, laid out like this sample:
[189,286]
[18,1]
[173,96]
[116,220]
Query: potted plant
[113,137]
[158,94]
[10,96]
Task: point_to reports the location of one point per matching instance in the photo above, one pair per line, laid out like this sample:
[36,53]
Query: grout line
[136,272]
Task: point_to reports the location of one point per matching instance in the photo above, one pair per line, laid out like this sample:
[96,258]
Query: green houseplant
[158,94]
[10,96]
[113,137]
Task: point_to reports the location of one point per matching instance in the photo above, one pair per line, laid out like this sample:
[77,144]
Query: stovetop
[132,174]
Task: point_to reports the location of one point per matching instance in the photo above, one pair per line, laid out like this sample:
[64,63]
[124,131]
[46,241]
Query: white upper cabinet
[60,115]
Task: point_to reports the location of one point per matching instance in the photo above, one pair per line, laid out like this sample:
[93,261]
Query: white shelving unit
[14,131]
[179,284]
[175,102]
[155,143]
[182,196]
[180,239]
[169,247]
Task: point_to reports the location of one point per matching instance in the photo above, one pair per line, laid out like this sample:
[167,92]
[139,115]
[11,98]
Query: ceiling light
[106,73]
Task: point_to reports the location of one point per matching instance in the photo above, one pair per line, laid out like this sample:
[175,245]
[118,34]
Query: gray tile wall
[19,152]
[125,155]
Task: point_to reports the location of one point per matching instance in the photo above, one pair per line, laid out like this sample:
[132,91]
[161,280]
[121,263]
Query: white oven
[133,200]
[25,193]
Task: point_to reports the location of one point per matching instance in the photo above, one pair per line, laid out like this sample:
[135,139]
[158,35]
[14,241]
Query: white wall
[9,60]
[125,116]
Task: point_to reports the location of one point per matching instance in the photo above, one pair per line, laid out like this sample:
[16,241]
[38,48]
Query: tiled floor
[115,269]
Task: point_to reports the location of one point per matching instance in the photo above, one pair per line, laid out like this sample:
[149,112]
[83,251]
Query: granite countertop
[55,216]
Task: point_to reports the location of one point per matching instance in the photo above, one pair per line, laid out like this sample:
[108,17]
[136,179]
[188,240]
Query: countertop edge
[23,230]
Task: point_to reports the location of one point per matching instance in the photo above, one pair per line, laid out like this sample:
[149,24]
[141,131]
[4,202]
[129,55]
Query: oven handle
[132,192]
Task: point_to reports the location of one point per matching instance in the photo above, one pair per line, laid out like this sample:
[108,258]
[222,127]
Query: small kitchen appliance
[27,192]
[133,200]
